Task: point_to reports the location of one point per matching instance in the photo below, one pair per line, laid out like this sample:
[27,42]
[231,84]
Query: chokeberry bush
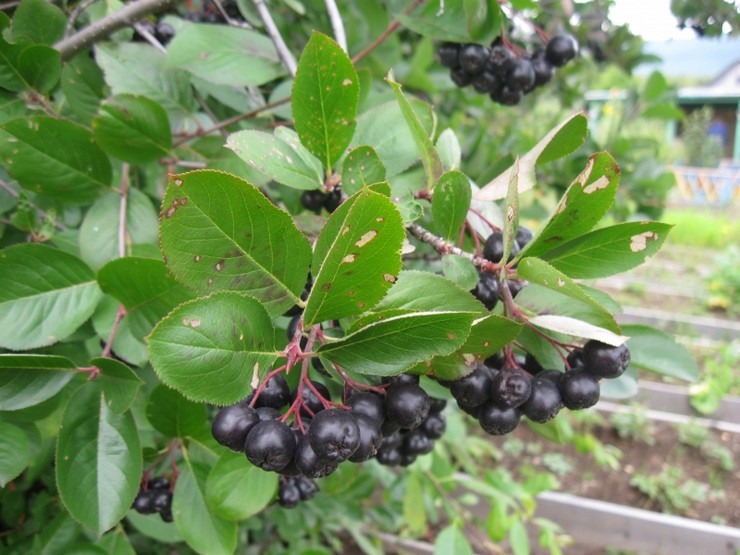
[252,303]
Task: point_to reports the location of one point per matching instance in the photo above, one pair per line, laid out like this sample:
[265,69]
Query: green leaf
[27,380]
[225,55]
[77,173]
[416,290]
[624,387]
[83,84]
[356,257]
[483,19]
[204,531]
[540,348]
[325,95]
[98,460]
[663,110]
[236,490]
[38,21]
[360,168]
[145,288]
[563,139]
[139,69]
[384,129]
[450,204]
[414,512]
[577,328]
[98,239]
[441,20]
[211,349]
[281,157]
[116,542]
[392,345]
[132,128]
[15,452]
[655,351]
[511,212]
[557,430]
[219,232]
[451,541]
[487,336]
[41,67]
[429,156]
[172,414]
[609,250]
[118,382]
[540,272]
[56,534]
[585,202]
[460,270]
[448,148]
[45,295]
[655,86]
[152,526]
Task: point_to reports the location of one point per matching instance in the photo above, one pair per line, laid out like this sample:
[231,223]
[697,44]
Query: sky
[651,19]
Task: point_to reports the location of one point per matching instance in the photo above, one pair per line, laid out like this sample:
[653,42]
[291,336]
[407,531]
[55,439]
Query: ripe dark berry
[164,32]
[575,358]
[605,361]
[493,249]
[406,404]
[434,426]
[232,424]
[531,365]
[436,405]
[389,456]
[487,289]
[521,76]
[166,516]
[144,502]
[370,439]
[507,96]
[474,389]
[500,60]
[579,389]
[267,413]
[289,495]
[511,388]
[461,78]
[448,53]
[523,236]
[270,445]
[407,459]
[552,375]
[162,501]
[486,82]
[544,403]
[401,378]
[495,361]
[333,199]
[367,404]
[498,421]
[473,58]
[313,200]
[416,442]
[542,69]
[276,393]
[161,482]
[307,487]
[561,49]
[309,463]
[310,400]
[334,435]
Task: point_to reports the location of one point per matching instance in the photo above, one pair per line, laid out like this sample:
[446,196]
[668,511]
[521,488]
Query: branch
[282,49]
[443,247]
[137,9]
[385,34]
[336,23]
[79,8]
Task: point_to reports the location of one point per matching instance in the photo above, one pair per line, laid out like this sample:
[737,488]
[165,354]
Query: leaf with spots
[356,258]
[29,150]
[326,92]
[487,336]
[392,345]
[609,250]
[450,204]
[582,206]
[98,460]
[219,232]
[212,348]
[511,213]
[281,157]
[361,167]
[45,295]
[416,290]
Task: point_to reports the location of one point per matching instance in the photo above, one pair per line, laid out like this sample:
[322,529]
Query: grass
[703,227]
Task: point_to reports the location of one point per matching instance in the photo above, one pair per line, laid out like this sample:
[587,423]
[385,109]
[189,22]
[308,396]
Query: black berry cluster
[155,497]
[161,30]
[293,490]
[488,289]
[317,199]
[501,73]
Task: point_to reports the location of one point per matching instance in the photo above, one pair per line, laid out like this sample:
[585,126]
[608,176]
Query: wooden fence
[708,186]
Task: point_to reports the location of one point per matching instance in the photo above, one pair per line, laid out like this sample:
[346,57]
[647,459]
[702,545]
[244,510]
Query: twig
[69,46]
[81,7]
[112,335]
[282,49]
[230,20]
[13,193]
[336,23]
[385,34]
[443,247]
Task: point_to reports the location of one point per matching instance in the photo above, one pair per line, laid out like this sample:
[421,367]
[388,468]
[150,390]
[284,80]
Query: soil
[585,478]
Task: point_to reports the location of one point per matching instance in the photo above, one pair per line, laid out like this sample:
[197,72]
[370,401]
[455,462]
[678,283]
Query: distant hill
[698,58]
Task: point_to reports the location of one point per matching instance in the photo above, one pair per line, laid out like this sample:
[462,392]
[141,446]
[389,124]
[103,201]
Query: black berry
[270,445]
[367,404]
[561,49]
[605,361]
[474,389]
[487,289]
[511,388]
[406,404]
[309,463]
[493,249]
[289,495]
[232,424]
[498,421]
[544,403]
[473,58]
[370,438]
[334,435]
[579,389]
[276,393]
[448,53]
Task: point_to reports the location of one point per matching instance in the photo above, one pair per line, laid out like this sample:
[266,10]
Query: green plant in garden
[719,379]
[671,489]
[191,334]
